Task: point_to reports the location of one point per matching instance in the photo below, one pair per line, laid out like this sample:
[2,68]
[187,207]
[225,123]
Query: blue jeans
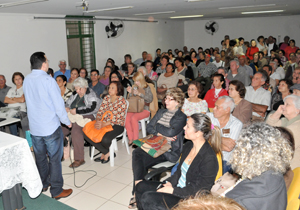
[226,167]
[50,171]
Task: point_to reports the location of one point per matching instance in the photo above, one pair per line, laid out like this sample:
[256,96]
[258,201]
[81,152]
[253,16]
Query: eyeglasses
[169,99]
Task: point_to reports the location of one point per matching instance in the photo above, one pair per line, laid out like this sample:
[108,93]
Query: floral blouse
[118,108]
[190,108]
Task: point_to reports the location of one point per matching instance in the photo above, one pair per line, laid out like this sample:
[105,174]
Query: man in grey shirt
[244,67]
[206,69]
[238,74]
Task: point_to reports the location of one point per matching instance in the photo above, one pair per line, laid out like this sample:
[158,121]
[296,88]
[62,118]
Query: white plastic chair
[143,124]
[114,147]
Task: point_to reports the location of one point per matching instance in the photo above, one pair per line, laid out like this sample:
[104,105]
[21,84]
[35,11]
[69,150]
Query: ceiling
[208,8]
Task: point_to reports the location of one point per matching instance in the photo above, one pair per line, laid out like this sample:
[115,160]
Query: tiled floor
[110,189]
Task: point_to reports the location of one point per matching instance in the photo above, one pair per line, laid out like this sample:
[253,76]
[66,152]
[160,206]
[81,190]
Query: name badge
[226,132]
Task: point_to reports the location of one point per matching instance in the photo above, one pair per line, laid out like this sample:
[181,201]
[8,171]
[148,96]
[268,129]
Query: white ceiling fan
[17,3]
[84,4]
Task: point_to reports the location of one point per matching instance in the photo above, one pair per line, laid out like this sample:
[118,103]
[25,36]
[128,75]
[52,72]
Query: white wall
[21,36]
[137,37]
[249,28]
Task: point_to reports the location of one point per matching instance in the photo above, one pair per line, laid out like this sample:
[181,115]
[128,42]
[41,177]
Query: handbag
[161,95]
[136,103]
[223,183]
[94,134]
[153,145]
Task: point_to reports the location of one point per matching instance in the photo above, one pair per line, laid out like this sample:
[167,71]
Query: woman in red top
[290,49]
[251,50]
[213,94]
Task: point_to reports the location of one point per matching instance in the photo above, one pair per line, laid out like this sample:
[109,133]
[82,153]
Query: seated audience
[292,48]
[167,80]
[258,96]
[193,57]
[3,89]
[183,74]
[120,77]
[116,104]
[95,85]
[127,60]
[139,61]
[62,70]
[271,44]
[285,43]
[191,67]
[291,120]
[262,59]
[82,102]
[151,74]
[104,79]
[131,70]
[213,94]
[111,63]
[201,58]
[141,89]
[270,83]
[243,108]
[283,91]
[238,74]
[282,57]
[167,122]
[244,67]
[230,127]
[164,60]
[194,104]
[206,70]
[290,66]
[261,157]
[50,72]
[84,74]
[208,202]
[218,62]
[148,58]
[252,49]
[196,171]
[65,92]
[279,68]
[296,89]
[74,75]
[221,70]
[261,44]
[15,98]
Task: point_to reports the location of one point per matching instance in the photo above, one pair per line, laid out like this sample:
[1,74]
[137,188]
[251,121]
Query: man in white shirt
[218,61]
[258,96]
[230,127]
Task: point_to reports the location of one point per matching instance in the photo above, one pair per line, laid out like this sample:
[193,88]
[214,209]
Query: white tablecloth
[17,165]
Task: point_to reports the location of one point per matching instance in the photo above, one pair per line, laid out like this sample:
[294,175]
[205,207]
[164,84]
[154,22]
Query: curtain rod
[91,19]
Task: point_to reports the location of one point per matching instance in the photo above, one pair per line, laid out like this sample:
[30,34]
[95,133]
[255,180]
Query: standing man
[62,70]
[46,110]
[3,89]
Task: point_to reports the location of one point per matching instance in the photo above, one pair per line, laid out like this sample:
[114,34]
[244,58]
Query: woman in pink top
[251,50]
[290,49]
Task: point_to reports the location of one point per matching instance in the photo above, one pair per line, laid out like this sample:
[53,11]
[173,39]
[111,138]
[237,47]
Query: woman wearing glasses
[167,122]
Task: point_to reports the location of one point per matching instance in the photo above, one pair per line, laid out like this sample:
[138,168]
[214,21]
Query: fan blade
[112,26]
[107,29]
[114,34]
[120,26]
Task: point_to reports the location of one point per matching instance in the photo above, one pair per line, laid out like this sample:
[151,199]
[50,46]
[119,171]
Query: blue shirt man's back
[45,106]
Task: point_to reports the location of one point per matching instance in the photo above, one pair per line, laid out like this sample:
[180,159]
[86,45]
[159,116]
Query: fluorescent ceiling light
[270,11]
[108,9]
[189,16]
[238,7]
[155,13]
[20,3]
[196,0]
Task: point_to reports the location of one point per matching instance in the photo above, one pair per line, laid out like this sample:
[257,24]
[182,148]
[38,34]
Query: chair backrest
[126,111]
[154,104]
[294,190]
[125,93]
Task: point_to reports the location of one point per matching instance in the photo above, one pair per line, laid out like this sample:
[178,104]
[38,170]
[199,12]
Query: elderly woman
[151,74]
[291,120]
[261,157]
[74,75]
[169,123]
[82,102]
[283,91]
[196,171]
[104,79]
[15,98]
[243,108]
[65,92]
[141,89]
[194,104]
[252,49]
[167,80]
[115,103]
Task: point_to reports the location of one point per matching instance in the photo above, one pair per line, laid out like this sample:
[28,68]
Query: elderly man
[218,61]
[3,89]
[244,67]
[230,127]
[139,61]
[258,96]
[46,111]
[62,70]
[206,69]
[238,74]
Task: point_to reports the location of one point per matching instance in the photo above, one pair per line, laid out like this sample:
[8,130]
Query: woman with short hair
[291,120]
[284,86]
[261,157]
[84,102]
[169,123]
[65,92]
[243,108]
[197,169]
